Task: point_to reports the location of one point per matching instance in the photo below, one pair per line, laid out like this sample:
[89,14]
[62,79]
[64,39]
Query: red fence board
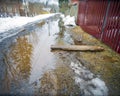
[101,18]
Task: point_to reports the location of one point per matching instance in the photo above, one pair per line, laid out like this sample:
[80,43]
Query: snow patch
[90,85]
[7,24]
[53,2]
[69,21]
[49,2]
[10,23]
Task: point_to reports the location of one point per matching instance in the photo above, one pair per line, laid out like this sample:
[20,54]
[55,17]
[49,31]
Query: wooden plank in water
[77,48]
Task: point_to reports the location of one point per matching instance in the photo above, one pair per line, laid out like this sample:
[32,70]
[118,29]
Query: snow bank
[49,2]
[53,2]
[69,21]
[7,24]
[90,84]
[10,23]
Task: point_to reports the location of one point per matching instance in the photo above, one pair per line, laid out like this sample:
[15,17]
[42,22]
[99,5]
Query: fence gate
[101,18]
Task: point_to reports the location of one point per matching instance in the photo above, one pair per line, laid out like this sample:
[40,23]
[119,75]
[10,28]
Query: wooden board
[77,48]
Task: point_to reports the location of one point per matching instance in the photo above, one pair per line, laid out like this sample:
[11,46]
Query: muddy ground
[30,67]
[106,64]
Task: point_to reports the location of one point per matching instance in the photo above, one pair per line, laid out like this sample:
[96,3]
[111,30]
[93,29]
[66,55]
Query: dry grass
[106,63]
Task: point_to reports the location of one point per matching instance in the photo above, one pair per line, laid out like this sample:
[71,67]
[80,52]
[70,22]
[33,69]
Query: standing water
[29,67]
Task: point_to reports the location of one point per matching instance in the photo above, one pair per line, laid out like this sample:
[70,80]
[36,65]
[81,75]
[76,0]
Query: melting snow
[7,24]
[90,85]
[50,2]
[69,21]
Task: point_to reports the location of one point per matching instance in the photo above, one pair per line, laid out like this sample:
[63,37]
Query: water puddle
[29,67]
[28,57]
[42,57]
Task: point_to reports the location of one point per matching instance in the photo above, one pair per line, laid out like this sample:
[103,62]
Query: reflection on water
[22,60]
[42,58]
[33,65]
[28,58]
[17,63]
[28,67]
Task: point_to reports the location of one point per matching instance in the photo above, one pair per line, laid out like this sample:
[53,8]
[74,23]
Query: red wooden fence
[101,18]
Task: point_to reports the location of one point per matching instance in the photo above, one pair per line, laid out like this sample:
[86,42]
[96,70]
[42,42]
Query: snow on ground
[7,24]
[68,20]
[53,2]
[10,23]
[90,84]
[49,2]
